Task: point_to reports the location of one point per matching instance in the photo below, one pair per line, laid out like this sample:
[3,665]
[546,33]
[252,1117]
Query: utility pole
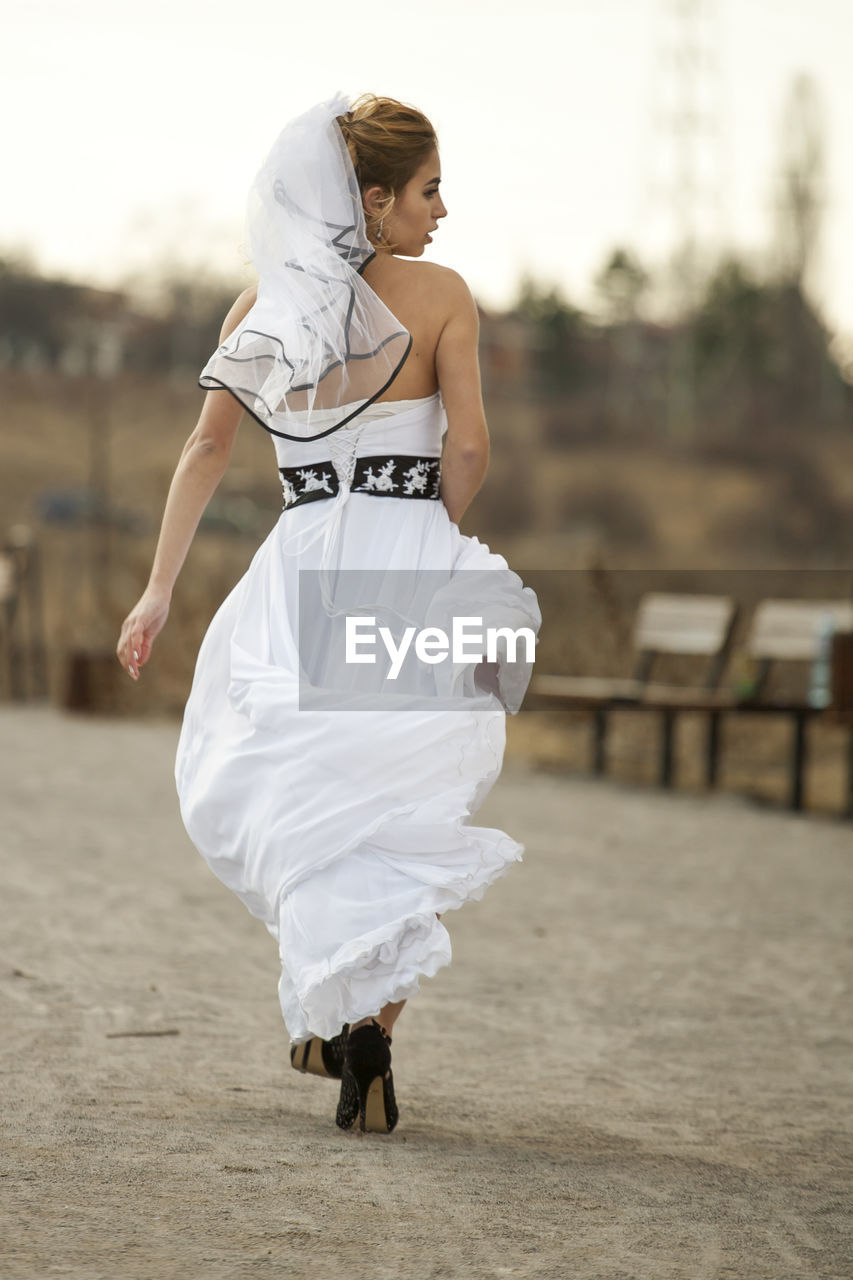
[802,182]
[686,184]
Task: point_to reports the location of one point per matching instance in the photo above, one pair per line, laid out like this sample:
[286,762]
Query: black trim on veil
[317,338]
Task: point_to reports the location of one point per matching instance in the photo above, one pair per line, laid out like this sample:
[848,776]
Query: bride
[346,831]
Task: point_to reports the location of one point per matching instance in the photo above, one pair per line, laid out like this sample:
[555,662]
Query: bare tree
[621,284]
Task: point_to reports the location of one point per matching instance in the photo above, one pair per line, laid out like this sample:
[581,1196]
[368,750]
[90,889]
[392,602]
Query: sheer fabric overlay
[319,345]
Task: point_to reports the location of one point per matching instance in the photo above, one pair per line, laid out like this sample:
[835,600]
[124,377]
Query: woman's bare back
[417,294]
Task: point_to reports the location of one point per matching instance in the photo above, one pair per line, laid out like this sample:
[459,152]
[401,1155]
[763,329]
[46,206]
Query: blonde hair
[387,141]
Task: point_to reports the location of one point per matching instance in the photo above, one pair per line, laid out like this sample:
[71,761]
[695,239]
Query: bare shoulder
[444,280]
[240,309]
[449,278]
[447,298]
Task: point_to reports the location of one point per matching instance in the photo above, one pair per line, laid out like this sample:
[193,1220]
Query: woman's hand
[140,629]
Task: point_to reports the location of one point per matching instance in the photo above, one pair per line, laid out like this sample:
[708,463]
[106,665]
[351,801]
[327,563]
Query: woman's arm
[202,464]
[466,446]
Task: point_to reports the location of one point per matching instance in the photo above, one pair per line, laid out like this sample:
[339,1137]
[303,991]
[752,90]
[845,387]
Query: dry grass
[754,754]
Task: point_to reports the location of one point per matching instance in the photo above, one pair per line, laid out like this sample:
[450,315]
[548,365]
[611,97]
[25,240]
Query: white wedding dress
[347,831]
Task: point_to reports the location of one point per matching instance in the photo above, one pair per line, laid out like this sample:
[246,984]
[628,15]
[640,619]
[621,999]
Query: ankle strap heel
[367,1083]
[321,1057]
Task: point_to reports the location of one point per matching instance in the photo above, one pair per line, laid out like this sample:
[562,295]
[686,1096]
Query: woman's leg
[386,1017]
[389,1015]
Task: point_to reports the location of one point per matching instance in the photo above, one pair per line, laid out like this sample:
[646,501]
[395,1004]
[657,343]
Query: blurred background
[649,198]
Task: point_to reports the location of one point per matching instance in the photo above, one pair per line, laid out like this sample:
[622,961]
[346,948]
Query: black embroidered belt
[386,475]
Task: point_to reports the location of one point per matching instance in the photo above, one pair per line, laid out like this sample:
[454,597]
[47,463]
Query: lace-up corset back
[401,438]
[408,427]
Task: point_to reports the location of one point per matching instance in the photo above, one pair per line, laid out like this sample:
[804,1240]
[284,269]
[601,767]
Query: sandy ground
[638,1065]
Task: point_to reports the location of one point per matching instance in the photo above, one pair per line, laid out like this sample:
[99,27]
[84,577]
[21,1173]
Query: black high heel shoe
[321,1057]
[367,1085]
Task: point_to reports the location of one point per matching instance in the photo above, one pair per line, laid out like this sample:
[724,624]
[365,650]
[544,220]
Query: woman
[342,822]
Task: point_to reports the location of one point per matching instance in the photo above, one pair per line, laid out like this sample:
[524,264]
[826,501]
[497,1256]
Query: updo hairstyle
[387,142]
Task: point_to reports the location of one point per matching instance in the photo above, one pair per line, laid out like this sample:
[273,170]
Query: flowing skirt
[346,830]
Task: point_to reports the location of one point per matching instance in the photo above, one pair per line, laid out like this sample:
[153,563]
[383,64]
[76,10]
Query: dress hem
[389,979]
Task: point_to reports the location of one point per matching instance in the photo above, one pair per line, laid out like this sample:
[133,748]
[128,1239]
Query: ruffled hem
[433,861]
[386,965]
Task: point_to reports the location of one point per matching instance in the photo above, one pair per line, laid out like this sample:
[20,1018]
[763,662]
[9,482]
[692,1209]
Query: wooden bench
[678,625]
[781,631]
[790,631]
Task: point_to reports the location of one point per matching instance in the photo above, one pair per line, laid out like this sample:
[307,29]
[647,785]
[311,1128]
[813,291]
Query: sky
[133,131]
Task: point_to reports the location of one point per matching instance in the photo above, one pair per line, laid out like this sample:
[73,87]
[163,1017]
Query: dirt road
[638,1065]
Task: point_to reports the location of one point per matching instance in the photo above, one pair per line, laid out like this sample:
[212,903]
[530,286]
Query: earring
[379,232]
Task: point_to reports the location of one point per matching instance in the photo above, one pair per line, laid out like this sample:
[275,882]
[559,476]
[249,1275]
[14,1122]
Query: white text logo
[468,642]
